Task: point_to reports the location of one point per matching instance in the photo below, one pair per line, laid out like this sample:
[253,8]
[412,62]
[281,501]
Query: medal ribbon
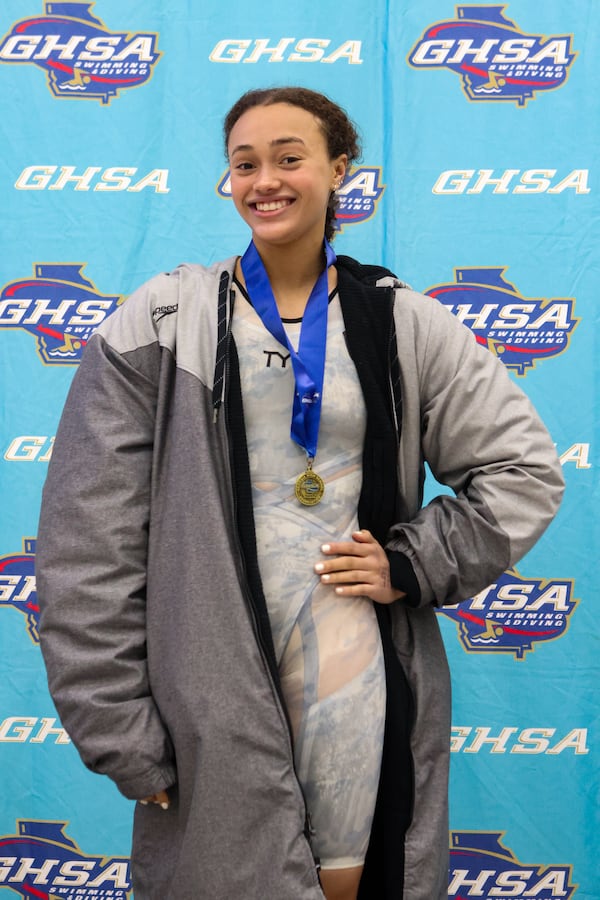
[309,361]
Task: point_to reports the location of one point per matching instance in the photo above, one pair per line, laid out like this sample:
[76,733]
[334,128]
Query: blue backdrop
[481,129]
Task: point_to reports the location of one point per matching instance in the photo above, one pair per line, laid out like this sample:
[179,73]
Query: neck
[292,269]
[292,274]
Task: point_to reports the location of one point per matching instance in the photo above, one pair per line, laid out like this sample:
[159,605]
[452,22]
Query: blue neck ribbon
[309,361]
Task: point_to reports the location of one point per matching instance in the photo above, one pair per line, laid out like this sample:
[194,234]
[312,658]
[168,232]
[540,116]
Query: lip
[277,204]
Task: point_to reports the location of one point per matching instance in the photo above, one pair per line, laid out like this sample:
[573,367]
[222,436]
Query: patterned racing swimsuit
[328,648]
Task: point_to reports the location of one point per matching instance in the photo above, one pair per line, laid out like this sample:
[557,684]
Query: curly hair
[340,133]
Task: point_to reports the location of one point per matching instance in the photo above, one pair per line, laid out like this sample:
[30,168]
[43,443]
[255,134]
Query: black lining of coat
[370,339]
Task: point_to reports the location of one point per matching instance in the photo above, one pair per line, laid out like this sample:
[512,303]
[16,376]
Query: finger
[363,536]
[343,548]
[366,559]
[377,595]
[355,590]
[356,576]
[160,799]
[340,564]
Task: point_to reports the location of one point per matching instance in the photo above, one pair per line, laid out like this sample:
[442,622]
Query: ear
[340,166]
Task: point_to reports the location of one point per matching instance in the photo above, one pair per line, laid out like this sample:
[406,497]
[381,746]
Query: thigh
[341,884]
[334,642]
[338,759]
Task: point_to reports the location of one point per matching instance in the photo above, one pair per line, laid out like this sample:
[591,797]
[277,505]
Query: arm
[482,437]
[91,570]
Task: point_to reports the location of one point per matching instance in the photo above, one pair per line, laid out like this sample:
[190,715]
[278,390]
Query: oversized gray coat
[148,627]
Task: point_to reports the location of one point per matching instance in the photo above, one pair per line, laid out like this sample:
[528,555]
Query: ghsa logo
[59,307]
[81,57]
[494,58]
[18,587]
[357,196]
[481,866]
[41,862]
[513,614]
[519,331]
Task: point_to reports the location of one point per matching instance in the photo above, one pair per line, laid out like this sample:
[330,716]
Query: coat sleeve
[91,568]
[482,437]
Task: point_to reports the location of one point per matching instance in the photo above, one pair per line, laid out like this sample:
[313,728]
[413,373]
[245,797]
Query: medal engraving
[309,488]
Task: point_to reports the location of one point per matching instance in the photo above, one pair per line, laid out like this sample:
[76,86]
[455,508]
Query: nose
[267,179]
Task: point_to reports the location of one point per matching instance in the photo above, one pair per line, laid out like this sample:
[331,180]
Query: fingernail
[319,567]
[325,548]
[339,590]
[164,805]
[325,577]
[144,802]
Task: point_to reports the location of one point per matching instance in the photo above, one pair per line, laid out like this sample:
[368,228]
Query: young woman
[238,603]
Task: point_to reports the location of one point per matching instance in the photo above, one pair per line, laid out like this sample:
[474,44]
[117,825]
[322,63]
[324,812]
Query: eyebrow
[274,143]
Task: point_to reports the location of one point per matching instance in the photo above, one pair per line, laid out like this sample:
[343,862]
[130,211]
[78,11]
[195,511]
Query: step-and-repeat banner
[478,185]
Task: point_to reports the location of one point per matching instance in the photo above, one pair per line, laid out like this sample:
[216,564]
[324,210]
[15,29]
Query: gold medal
[310,487]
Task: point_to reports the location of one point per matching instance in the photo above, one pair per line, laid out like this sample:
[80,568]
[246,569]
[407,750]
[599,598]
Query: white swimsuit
[328,647]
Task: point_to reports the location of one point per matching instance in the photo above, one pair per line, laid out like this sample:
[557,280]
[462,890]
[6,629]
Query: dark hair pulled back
[339,131]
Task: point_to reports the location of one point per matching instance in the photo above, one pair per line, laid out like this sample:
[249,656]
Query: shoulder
[368,275]
[427,320]
[153,309]
[188,282]
[413,312]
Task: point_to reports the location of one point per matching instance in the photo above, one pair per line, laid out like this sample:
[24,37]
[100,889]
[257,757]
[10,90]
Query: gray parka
[153,627]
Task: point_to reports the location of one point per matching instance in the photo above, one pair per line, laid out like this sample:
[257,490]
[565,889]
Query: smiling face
[281,175]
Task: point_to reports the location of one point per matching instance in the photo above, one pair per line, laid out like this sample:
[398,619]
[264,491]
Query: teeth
[269,207]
